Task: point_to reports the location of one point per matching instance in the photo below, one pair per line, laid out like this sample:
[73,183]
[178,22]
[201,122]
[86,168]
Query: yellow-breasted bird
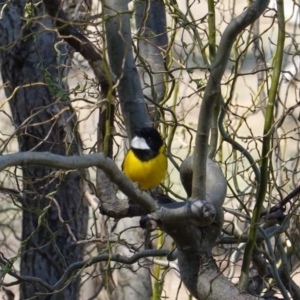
[146,162]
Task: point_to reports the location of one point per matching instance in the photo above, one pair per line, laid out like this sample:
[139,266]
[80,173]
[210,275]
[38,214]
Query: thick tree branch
[33,65]
[110,203]
[80,162]
[216,184]
[119,47]
[200,213]
[152,40]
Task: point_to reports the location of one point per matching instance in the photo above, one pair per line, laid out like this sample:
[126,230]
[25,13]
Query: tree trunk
[54,211]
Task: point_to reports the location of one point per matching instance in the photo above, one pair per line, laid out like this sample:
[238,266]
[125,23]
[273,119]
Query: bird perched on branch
[146,162]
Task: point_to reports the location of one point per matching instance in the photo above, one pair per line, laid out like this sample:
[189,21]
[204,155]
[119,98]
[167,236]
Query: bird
[145,161]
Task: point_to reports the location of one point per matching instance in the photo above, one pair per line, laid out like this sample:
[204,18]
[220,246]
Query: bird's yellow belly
[147,174]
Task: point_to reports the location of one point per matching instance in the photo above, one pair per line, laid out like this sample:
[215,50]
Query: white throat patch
[139,143]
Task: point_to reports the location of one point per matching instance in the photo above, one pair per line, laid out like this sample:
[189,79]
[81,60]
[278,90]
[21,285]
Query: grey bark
[28,58]
[150,17]
[119,47]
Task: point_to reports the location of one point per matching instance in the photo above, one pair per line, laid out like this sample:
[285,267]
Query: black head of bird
[146,143]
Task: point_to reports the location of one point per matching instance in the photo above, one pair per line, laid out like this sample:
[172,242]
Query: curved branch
[216,184]
[266,146]
[79,162]
[105,257]
[280,205]
[87,263]
[235,145]
[77,40]
[235,27]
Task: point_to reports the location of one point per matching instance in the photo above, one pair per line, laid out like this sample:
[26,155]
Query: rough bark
[54,211]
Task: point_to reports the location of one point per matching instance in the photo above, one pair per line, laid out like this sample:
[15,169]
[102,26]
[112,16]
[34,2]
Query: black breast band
[144,154]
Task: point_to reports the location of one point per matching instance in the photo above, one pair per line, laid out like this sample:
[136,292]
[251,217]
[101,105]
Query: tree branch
[119,48]
[105,257]
[152,40]
[216,184]
[89,262]
[282,203]
[200,213]
[77,40]
[235,27]
[79,162]
[265,153]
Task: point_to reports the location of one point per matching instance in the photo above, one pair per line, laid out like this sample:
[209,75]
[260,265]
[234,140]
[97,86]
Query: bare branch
[119,47]
[236,26]
[78,266]
[77,40]
[81,162]
[105,257]
[200,213]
